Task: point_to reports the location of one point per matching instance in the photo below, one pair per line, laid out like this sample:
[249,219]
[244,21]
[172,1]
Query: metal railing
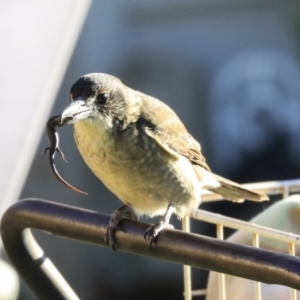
[175,246]
[283,188]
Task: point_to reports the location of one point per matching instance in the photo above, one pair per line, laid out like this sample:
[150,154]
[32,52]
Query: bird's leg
[124,212]
[153,231]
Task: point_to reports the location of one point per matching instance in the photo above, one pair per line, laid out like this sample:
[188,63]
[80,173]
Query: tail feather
[235,192]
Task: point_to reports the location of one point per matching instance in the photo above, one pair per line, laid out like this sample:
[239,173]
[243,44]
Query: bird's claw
[152,232]
[113,225]
[110,236]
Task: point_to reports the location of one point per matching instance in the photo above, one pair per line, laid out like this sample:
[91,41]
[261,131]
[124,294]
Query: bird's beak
[76,111]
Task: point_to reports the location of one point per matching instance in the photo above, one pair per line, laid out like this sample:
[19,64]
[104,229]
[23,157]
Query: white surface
[37,40]
[9,283]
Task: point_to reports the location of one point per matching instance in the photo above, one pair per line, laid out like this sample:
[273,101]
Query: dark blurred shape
[255,105]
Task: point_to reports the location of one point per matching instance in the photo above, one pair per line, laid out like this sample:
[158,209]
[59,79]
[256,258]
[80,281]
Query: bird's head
[101,96]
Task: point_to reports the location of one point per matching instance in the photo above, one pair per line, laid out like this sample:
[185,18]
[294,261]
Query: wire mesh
[283,188]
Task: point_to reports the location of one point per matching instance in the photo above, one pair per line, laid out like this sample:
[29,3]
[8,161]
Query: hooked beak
[75,111]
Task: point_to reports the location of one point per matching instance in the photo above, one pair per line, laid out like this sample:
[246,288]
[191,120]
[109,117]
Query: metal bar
[221,276]
[197,293]
[257,288]
[292,252]
[172,245]
[187,271]
[286,191]
[209,217]
[50,271]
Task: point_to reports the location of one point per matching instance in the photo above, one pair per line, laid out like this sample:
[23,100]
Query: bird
[142,152]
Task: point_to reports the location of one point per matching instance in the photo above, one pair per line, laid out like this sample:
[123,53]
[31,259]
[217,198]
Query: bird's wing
[170,133]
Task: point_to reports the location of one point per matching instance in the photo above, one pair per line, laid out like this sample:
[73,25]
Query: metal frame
[172,245]
[271,188]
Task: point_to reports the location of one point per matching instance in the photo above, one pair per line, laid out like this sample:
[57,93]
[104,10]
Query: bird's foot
[124,212]
[153,231]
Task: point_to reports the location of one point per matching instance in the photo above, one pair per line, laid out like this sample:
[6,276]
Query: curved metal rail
[89,226]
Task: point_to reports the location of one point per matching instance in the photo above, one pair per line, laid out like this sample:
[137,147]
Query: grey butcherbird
[138,147]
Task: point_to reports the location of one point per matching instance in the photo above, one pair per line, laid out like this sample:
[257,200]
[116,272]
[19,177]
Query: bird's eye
[102,98]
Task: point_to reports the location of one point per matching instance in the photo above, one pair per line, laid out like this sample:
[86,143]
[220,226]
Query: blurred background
[231,71]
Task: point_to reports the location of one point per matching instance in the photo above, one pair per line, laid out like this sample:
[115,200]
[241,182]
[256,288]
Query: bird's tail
[235,192]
